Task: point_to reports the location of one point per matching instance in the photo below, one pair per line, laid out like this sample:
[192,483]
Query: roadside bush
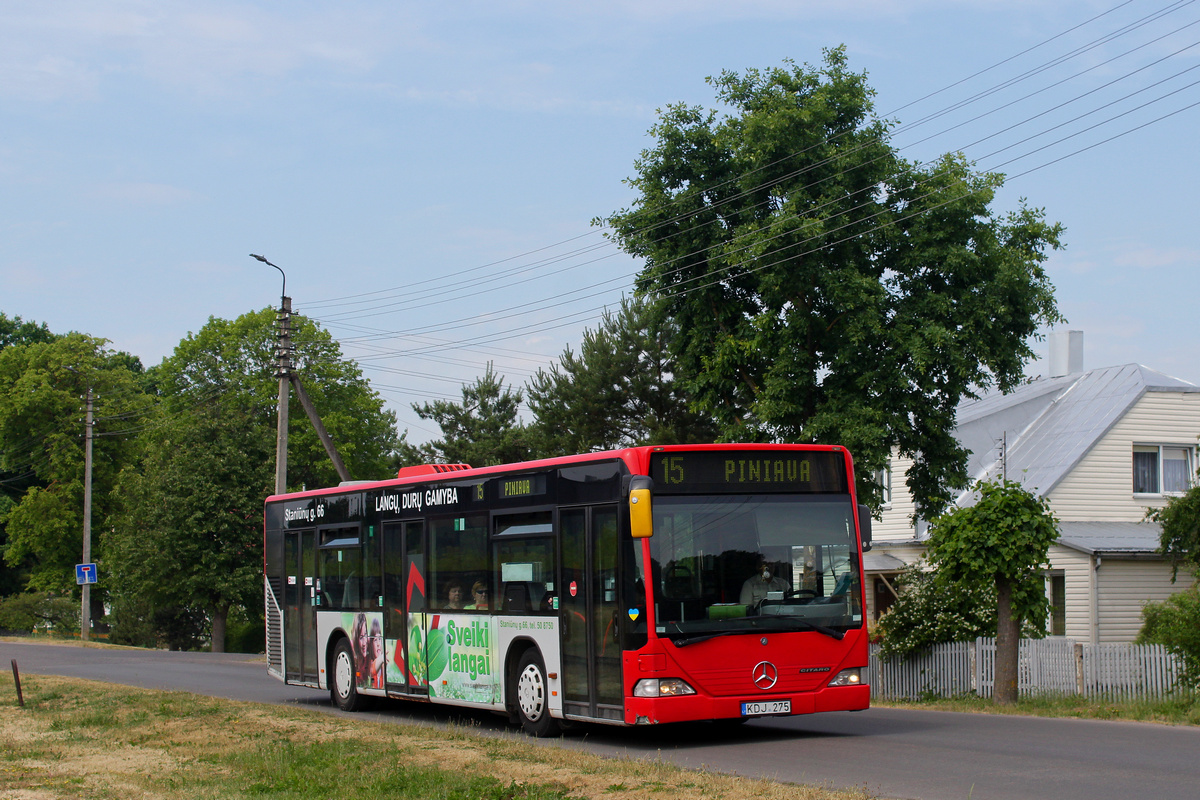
[22,613]
[130,624]
[138,624]
[930,611]
[244,633]
[1175,623]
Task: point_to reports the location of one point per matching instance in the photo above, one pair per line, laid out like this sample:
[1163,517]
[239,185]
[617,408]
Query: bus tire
[532,693]
[342,687]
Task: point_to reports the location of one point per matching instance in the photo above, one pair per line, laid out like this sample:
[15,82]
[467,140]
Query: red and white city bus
[639,586]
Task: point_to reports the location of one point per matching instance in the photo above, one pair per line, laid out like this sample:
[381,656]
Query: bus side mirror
[864,526]
[641,520]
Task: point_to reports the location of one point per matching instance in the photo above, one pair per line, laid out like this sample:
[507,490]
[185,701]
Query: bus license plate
[766,707]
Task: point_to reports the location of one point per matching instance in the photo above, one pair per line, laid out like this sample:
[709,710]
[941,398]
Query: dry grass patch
[79,738]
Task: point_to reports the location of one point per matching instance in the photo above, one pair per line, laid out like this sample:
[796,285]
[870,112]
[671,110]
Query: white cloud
[68,49]
[142,194]
[1156,258]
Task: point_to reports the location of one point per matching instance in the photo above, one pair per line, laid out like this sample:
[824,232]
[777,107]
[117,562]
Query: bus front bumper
[690,708]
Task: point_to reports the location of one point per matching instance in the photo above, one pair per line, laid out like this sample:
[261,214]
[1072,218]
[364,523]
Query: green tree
[1175,622]
[188,540]
[1180,538]
[189,537]
[235,361]
[824,288]
[483,430]
[14,330]
[1003,539]
[13,484]
[43,386]
[619,391]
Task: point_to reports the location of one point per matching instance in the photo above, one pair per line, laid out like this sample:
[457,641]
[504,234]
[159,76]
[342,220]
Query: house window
[883,478]
[1058,604]
[1161,469]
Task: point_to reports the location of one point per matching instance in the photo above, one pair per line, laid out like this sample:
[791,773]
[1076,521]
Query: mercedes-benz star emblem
[764,675]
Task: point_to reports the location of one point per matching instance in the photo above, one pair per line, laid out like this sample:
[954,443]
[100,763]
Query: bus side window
[458,554]
[340,564]
[525,568]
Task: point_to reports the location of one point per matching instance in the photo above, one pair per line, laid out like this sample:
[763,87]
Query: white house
[1102,447]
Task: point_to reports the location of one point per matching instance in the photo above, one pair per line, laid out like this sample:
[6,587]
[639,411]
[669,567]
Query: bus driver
[755,589]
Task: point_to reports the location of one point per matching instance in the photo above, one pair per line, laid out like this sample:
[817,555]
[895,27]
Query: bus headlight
[847,677]
[661,687]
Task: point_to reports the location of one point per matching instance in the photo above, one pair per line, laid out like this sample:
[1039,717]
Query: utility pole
[1004,456]
[287,376]
[283,357]
[319,427]
[284,370]
[86,615]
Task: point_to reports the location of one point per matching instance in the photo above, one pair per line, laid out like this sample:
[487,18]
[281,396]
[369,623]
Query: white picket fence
[1045,666]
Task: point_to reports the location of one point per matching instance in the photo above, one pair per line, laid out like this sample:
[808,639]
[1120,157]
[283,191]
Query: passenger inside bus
[454,594]
[479,596]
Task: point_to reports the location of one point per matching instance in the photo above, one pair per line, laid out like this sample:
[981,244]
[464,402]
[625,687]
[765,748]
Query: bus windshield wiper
[795,625]
[704,637]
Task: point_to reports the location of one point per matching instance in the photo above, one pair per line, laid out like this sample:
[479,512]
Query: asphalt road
[931,755]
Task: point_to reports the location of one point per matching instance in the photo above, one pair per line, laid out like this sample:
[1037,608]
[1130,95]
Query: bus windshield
[724,564]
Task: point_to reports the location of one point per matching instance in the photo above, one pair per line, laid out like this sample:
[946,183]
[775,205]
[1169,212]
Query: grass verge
[77,738]
[1178,709]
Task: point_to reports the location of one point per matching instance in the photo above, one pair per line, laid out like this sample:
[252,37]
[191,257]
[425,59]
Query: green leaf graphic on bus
[416,656]
[437,653]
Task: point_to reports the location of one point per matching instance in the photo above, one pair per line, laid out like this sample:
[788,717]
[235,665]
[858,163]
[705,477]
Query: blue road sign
[86,573]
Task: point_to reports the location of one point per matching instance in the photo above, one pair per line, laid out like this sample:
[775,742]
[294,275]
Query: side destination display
[749,470]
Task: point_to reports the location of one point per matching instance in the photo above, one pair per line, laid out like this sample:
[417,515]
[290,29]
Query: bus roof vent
[430,469]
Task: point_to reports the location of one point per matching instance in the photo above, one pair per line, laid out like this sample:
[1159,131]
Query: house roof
[1110,537]
[881,562]
[1048,425]
[1105,538]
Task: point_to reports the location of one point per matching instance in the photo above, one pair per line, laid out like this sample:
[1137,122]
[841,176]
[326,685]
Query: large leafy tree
[14,330]
[619,391]
[233,364]
[482,430]
[15,482]
[43,386]
[824,288]
[189,537]
[190,533]
[1004,540]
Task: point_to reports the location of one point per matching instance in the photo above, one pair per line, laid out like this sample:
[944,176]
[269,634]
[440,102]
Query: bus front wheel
[342,686]
[533,696]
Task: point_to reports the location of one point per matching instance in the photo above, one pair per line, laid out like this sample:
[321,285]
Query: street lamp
[281,272]
[281,430]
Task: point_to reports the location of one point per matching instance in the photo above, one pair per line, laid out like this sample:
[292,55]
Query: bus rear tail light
[661,687]
[847,677]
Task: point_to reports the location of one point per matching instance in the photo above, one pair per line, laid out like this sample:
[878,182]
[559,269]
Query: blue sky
[426,173]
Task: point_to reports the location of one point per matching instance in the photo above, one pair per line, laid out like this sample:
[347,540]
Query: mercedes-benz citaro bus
[634,587]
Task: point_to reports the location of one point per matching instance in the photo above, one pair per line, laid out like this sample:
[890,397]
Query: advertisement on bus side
[454,655]
[366,641]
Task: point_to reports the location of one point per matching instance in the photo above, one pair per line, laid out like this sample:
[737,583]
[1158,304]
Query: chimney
[1066,353]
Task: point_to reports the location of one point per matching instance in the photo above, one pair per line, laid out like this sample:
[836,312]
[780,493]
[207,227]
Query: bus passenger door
[588,606]
[404,596]
[300,601]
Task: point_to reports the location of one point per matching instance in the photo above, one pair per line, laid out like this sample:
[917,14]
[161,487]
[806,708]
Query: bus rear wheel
[342,686]
[533,696]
